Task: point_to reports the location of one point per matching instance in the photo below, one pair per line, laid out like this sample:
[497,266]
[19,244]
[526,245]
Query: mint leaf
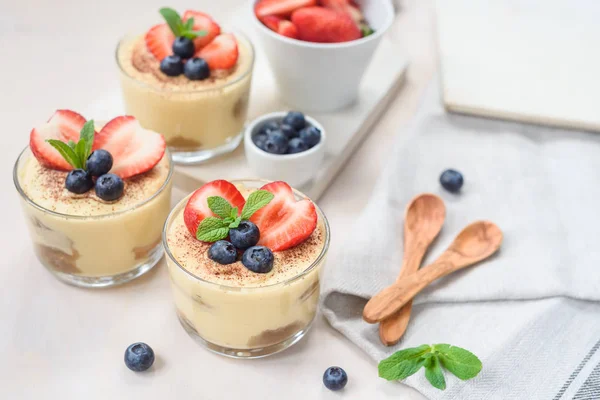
[71,144]
[80,152]
[434,374]
[219,206]
[195,34]
[234,212]
[87,135]
[212,229]
[403,363]
[235,223]
[189,24]
[257,200]
[462,363]
[173,20]
[66,152]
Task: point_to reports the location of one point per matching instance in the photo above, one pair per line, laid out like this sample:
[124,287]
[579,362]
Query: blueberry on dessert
[335,378]
[276,143]
[295,119]
[79,181]
[222,252]
[109,187]
[196,69]
[171,65]
[297,146]
[310,135]
[245,235]
[194,36]
[183,47]
[99,162]
[139,357]
[452,180]
[258,259]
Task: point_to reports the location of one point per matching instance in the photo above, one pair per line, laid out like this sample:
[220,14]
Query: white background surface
[68,343]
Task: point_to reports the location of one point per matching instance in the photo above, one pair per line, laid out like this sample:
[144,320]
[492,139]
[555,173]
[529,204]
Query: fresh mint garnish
[404,363]
[178,27]
[212,229]
[76,154]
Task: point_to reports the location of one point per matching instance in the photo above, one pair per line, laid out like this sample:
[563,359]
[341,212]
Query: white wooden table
[68,343]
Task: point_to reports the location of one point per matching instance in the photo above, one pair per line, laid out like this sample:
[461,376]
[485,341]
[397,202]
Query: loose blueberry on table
[335,378]
[191,44]
[139,357]
[290,136]
[452,180]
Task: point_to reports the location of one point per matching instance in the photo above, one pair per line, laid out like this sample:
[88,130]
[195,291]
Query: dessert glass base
[186,156]
[258,352]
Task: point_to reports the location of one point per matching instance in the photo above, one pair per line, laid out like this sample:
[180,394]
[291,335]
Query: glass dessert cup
[99,250]
[198,124]
[246,322]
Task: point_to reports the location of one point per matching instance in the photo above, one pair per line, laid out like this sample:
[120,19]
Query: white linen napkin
[530,312]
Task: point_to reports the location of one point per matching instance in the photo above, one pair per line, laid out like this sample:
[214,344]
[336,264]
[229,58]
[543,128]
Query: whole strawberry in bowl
[320,49]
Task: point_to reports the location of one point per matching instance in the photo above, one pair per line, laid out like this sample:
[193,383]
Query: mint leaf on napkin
[404,363]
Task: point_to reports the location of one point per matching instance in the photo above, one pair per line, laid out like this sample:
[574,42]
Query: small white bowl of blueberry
[286,146]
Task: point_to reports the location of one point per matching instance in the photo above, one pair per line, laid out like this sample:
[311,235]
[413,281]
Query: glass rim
[202,90]
[87,217]
[288,281]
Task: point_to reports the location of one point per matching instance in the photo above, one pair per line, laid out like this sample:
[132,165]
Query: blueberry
[451,180]
[297,146]
[196,69]
[79,181]
[335,378]
[289,131]
[222,252]
[311,136]
[245,235]
[295,119]
[171,65]
[258,259]
[268,127]
[99,162]
[276,143]
[183,47]
[259,140]
[109,187]
[139,357]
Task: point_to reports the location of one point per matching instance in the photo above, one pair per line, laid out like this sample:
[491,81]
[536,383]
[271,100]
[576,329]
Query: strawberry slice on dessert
[197,208]
[159,41]
[202,22]
[281,8]
[134,149]
[322,25]
[221,53]
[284,222]
[64,125]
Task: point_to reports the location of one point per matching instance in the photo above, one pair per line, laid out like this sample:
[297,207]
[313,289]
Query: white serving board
[526,60]
[345,128]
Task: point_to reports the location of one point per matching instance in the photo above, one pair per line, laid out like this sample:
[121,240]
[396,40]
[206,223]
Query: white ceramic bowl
[295,169]
[323,76]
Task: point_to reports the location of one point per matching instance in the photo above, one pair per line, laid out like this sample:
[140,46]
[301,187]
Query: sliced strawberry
[134,149]
[319,24]
[159,41]
[284,222]
[221,53]
[344,6]
[271,22]
[203,22]
[287,28]
[197,208]
[282,8]
[64,125]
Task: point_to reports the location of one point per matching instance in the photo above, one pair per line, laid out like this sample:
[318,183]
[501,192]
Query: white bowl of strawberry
[319,49]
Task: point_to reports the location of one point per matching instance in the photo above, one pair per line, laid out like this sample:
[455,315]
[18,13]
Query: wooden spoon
[423,220]
[475,243]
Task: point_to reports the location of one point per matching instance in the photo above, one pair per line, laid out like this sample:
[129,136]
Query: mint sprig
[178,27]
[76,154]
[216,228]
[404,363]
